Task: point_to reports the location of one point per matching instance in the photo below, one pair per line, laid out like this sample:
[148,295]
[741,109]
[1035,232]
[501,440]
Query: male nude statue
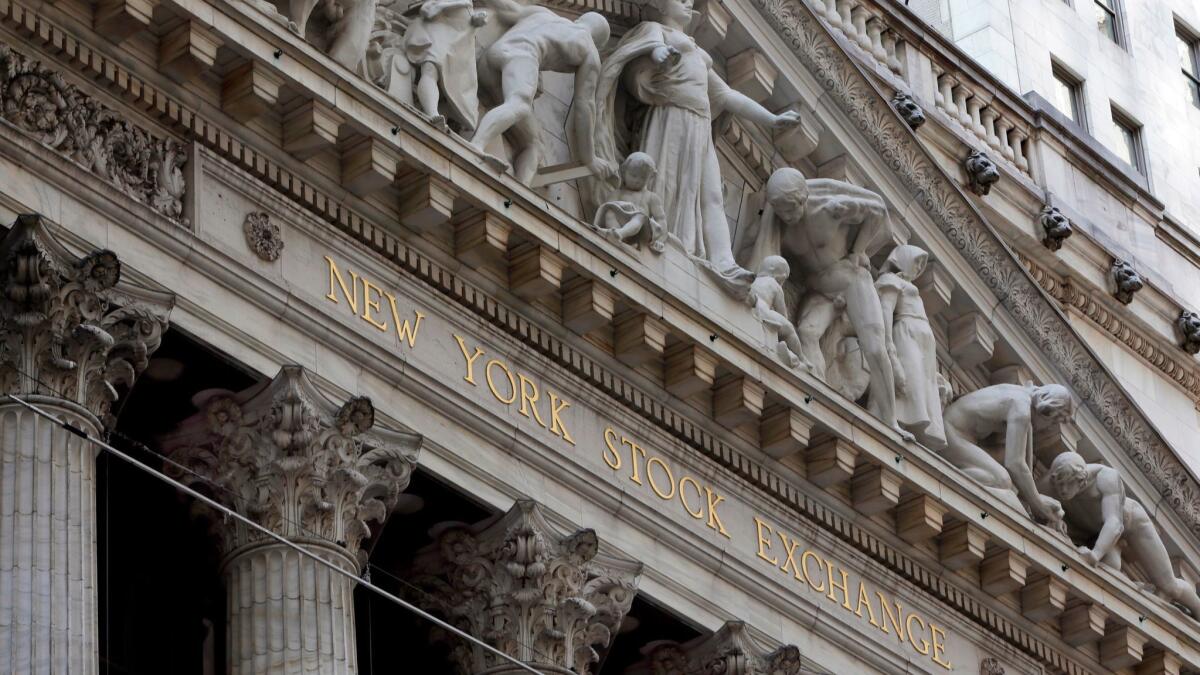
[1093,497]
[537,39]
[829,228]
[1007,407]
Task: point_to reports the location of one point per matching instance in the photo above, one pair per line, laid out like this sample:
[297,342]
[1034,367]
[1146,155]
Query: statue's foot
[439,121]
[905,434]
[495,162]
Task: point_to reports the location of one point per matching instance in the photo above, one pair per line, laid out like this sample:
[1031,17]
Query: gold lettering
[470,359]
[764,543]
[804,567]
[791,554]
[370,303]
[512,385]
[714,521]
[634,449]
[406,332]
[895,619]
[923,649]
[615,462]
[698,513]
[351,293]
[845,586]
[864,599]
[654,485]
[528,399]
[939,648]
[556,423]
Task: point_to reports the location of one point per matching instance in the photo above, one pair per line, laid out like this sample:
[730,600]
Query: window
[1189,62]
[1128,136]
[1107,19]
[1067,95]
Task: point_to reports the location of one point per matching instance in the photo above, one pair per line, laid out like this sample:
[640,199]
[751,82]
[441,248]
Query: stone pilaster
[317,474]
[544,597]
[72,337]
[732,650]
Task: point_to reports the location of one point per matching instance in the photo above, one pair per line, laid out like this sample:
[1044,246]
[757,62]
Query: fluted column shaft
[48,615]
[287,613]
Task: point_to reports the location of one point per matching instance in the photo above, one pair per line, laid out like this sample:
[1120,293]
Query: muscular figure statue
[1093,498]
[828,229]
[537,39]
[1007,407]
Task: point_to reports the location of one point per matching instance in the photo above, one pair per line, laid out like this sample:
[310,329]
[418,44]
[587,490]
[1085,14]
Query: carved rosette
[68,328]
[729,651]
[38,101]
[286,457]
[544,597]
[263,236]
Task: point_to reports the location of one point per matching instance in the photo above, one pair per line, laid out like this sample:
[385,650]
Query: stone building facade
[767,336]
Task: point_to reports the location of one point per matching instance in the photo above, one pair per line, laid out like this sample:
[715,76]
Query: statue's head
[637,170]
[981,172]
[1055,223]
[908,109]
[1069,475]
[1053,402]
[597,25]
[1126,280]
[776,267]
[1188,325]
[907,261]
[787,193]
[676,13]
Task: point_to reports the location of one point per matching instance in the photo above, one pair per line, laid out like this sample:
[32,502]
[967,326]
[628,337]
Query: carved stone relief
[263,236]
[1055,227]
[39,102]
[981,172]
[991,666]
[634,213]
[543,597]
[1124,281]
[729,651]
[909,111]
[68,327]
[1188,327]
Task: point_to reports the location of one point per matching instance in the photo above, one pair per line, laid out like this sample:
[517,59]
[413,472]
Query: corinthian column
[732,650]
[71,337]
[313,472]
[544,597]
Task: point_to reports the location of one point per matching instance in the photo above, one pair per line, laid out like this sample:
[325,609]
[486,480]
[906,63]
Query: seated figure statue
[1093,498]
[1009,408]
[634,212]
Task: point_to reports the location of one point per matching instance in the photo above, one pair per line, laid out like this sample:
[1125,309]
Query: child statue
[769,305]
[634,213]
[440,45]
[911,345]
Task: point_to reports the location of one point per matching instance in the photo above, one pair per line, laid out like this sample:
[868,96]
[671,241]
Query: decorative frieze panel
[68,328]
[732,650]
[544,597]
[39,102]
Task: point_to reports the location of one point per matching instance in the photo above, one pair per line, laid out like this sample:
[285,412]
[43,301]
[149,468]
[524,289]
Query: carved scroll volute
[69,329]
[541,596]
[291,460]
[731,650]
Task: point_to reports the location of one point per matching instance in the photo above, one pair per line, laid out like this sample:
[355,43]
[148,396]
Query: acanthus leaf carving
[283,455]
[41,103]
[539,595]
[731,650]
[69,328]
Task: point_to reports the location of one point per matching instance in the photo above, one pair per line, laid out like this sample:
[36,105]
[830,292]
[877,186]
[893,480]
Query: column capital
[541,595]
[70,328]
[286,456]
[732,650]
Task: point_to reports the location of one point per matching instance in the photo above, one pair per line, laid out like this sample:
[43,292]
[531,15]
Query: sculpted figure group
[640,133]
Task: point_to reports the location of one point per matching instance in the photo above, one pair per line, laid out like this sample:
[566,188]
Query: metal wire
[269,533]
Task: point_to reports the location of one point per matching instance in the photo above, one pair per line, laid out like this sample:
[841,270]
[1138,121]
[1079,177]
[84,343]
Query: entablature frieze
[540,225]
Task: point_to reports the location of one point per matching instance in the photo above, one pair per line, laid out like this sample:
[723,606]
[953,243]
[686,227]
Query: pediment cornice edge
[965,227]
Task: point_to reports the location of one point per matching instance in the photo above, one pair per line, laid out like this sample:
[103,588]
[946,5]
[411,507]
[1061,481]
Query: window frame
[1075,92]
[1115,10]
[1137,151]
[1192,43]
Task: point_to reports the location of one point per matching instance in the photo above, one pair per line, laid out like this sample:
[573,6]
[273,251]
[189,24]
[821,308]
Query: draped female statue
[658,94]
